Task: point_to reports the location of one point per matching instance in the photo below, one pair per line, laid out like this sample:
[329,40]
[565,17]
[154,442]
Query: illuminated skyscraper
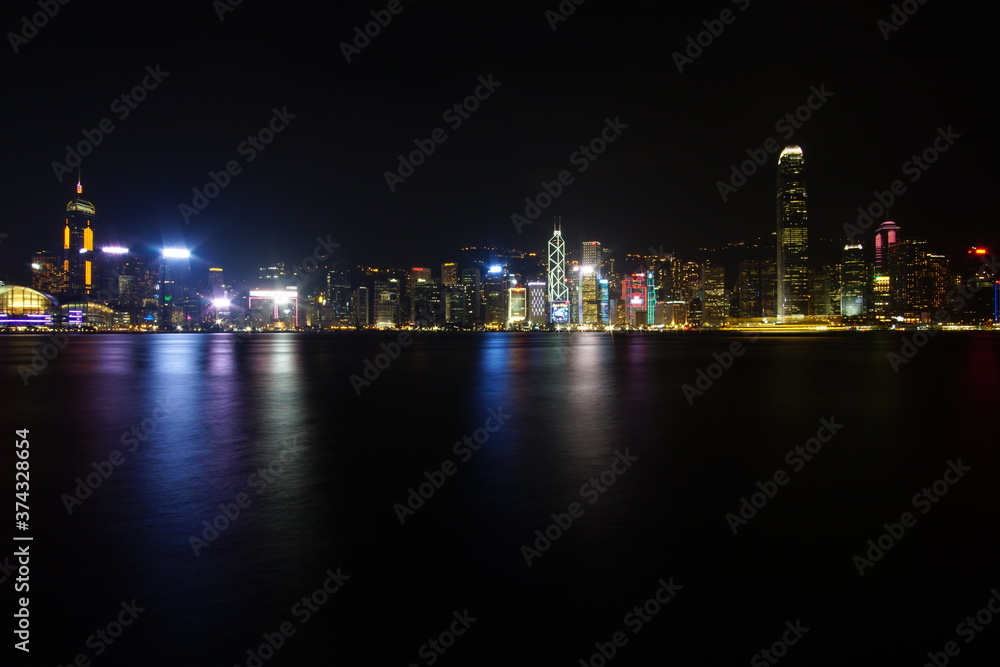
[982,282]
[639,299]
[590,296]
[592,256]
[338,294]
[886,236]
[47,274]
[853,281]
[216,283]
[174,277]
[715,308]
[387,303]
[755,289]
[538,312]
[793,235]
[449,274]
[417,275]
[517,305]
[471,278]
[78,245]
[360,306]
[558,289]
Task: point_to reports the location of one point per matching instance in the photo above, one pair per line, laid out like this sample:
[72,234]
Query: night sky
[324,173]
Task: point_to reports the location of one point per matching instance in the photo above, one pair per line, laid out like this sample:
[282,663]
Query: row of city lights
[170,253]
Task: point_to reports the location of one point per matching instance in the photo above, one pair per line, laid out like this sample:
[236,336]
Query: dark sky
[656,184]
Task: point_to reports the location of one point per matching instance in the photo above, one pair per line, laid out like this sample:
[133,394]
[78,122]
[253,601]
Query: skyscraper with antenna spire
[78,244]
[558,289]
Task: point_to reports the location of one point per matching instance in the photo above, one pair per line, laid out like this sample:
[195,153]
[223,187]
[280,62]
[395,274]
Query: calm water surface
[323,473]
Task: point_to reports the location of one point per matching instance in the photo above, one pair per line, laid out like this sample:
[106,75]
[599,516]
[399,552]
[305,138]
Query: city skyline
[79,227]
[112,287]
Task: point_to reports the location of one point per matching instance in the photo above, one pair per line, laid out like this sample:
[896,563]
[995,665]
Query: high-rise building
[880,296]
[449,274]
[822,289]
[176,302]
[47,274]
[216,283]
[416,275]
[472,279]
[755,293]
[109,266]
[639,299]
[713,294]
[668,277]
[78,245]
[458,304]
[792,236]
[273,277]
[590,296]
[360,306]
[603,301]
[538,311]
[886,236]
[495,290]
[558,289]
[339,295]
[908,285]
[517,306]
[138,284]
[981,287]
[428,307]
[853,281]
[387,303]
[938,281]
[592,256]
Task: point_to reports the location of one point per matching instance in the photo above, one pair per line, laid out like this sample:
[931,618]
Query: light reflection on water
[340,461]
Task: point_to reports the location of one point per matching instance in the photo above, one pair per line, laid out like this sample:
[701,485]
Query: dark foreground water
[203,424]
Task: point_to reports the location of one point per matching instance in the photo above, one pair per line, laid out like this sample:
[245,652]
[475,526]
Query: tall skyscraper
[517,305]
[590,296]
[387,303]
[713,294]
[47,274]
[755,289]
[886,236]
[977,273]
[416,276]
[558,289]
[339,295]
[472,280]
[78,245]
[449,274]
[176,300]
[908,271]
[639,299]
[360,306]
[216,283]
[853,281]
[592,256]
[538,311]
[793,236]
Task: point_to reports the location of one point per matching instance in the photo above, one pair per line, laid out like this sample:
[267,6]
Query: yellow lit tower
[78,245]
